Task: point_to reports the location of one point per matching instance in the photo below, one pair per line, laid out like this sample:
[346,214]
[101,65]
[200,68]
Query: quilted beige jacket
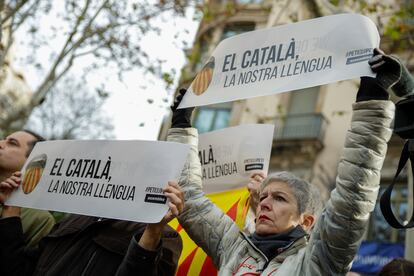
[339,230]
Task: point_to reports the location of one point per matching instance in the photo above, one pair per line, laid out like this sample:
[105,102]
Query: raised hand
[253,186]
[181,117]
[8,185]
[152,235]
[388,68]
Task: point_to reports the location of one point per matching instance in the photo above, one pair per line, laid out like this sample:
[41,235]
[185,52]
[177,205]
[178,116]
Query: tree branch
[51,76]
[84,35]
[25,15]
[7,47]
[39,96]
[13,11]
[87,34]
[13,26]
[89,51]
[1,20]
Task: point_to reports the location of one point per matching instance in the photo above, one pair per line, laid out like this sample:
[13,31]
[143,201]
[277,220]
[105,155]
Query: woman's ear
[307,221]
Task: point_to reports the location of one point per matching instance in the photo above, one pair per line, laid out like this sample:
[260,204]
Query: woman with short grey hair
[290,238]
[307,195]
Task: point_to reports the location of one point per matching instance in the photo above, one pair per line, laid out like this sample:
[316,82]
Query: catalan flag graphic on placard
[193,260]
[33,173]
[203,78]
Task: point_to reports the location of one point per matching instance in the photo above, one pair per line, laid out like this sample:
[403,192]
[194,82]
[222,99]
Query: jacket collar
[289,250]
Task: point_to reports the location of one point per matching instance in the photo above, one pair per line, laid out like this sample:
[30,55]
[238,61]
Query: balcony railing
[308,126]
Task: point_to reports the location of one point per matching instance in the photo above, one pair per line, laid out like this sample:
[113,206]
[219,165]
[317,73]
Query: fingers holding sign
[8,185]
[152,235]
[388,68]
[176,200]
[256,179]
[253,186]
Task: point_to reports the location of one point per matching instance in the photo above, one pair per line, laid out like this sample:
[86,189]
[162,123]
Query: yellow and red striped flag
[193,260]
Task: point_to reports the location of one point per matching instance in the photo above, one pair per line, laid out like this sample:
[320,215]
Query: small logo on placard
[33,173]
[155,195]
[252,164]
[360,55]
[252,167]
[203,78]
[152,198]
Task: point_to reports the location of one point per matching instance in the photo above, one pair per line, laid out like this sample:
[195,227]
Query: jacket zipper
[261,253]
[257,250]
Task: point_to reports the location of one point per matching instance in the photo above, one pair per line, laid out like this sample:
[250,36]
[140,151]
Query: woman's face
[277,211]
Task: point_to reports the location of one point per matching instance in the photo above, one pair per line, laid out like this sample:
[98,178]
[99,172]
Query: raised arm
[205,223]
[339,230]
[158,249]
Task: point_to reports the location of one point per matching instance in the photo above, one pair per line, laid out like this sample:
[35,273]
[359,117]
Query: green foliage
[194,56]
[335,2]
[401,25]
[230,8]
[168,78]
[396,19]
[207,14]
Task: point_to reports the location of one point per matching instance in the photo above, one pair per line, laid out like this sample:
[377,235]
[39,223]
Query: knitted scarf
[272,245]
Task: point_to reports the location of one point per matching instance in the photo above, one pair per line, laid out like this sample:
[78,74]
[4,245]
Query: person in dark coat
[14,150]
[83,245]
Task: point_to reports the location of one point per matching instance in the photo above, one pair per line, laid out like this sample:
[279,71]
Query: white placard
[284,58]
[228,156]
[111,179]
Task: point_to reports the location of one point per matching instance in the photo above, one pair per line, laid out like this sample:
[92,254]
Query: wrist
[181,118]
[405,86]
[151,237]
[155,228]
[10,211]
[370,89]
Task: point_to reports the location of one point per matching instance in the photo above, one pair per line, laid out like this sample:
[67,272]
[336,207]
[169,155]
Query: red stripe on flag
[232,212]
[185,266]
[179,228]
[208,268]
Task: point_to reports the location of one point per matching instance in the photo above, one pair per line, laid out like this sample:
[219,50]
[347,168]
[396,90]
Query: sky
[128,105]
[130,109]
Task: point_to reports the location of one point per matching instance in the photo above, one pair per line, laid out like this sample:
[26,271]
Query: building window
[212,117]
[379,229]
[235,29]
[301,121]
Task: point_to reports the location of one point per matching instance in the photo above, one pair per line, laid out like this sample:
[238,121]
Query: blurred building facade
[311,125]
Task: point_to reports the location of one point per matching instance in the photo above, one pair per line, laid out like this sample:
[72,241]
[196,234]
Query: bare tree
[107,30]
[70,111]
